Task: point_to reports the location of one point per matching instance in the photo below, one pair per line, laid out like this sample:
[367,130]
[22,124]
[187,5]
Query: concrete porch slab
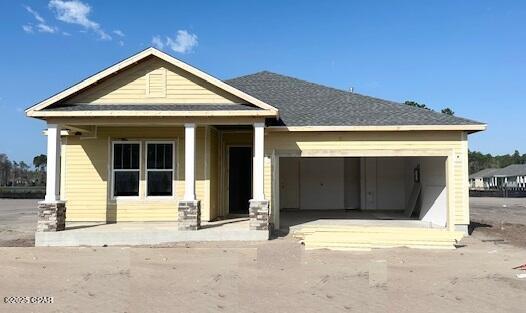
[146,233]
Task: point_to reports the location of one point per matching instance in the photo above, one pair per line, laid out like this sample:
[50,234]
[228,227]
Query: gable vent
[156,83]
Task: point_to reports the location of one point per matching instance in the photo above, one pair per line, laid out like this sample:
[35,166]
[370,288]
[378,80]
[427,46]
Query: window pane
[126,156]
[126,184]
[159,183]
[160,156]
[135,156]
[117,156]
[151,155]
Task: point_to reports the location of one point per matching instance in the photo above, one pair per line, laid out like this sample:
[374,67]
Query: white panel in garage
[352,183]
[321,185]
[390,173]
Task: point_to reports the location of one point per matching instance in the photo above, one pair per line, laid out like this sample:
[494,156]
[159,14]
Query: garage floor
[290,219]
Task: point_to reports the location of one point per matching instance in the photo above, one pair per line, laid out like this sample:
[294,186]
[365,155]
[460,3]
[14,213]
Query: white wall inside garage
[434,193]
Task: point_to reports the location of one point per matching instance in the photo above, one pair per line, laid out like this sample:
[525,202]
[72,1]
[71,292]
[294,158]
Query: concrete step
[370,237]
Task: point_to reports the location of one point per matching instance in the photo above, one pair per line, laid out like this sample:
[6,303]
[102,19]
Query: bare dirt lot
[501,218]
[18,218]
[278,275]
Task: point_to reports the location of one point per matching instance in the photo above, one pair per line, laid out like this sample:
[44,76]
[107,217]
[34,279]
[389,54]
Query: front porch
[148,233]
[102,176]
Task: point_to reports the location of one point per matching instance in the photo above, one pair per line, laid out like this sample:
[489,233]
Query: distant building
[482,179]
[512,176]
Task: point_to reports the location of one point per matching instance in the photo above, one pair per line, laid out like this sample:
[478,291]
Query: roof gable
[153,81]
[171,80]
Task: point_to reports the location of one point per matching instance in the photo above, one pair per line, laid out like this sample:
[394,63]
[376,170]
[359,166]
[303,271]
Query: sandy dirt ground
[18,218]
[504,219]
[278,276]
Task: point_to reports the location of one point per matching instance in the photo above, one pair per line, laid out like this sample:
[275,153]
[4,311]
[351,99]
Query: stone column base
[259,214]
[51,216]
[189,217]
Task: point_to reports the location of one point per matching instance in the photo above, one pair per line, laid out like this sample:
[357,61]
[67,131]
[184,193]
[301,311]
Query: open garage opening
[386,191]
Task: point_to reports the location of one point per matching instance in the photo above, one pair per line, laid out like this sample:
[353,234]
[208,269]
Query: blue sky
[467,55]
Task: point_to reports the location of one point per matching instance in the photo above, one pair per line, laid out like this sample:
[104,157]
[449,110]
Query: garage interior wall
[368,183]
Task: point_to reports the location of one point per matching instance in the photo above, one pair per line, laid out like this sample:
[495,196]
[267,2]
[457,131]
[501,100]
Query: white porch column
[52,211]
[258,209]
[53,163]
[258,165]
[189,162]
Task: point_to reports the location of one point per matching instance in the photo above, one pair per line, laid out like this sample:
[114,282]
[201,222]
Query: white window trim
[113,170]
[146,170]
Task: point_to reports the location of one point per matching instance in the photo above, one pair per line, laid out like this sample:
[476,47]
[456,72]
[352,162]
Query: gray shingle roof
[511,170]
[302,103]
[150,107]
[488,172]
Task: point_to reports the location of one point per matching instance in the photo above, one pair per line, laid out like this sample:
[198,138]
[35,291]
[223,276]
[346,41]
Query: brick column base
[189,217]
[259,214]
[51,216]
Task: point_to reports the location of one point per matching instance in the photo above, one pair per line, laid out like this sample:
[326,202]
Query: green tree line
[479,161]
[13,173]
[415,104]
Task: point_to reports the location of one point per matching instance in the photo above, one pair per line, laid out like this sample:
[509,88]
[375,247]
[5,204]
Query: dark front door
[239,179]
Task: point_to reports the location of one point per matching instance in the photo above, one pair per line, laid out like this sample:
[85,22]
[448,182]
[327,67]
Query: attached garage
[317,189]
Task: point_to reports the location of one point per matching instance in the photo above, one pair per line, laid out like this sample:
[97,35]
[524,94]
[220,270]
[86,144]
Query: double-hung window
[159,168]
[126,169]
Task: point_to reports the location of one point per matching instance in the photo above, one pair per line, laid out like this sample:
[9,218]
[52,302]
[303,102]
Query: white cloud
[43,28]
[184,42]
[157,42]
[35,14]
[77,12]
[41,25]
[27,28]
[118,33]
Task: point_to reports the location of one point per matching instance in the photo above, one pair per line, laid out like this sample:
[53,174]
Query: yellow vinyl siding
[394,143]
[86,164]
[86,175]
[87,170]
[133,85]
